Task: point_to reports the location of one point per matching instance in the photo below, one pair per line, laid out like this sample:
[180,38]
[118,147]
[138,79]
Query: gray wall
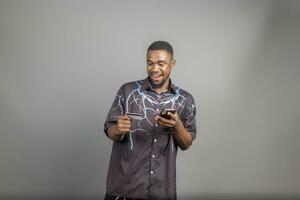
[61,63]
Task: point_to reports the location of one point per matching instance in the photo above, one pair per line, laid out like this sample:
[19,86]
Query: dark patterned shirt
[143,163]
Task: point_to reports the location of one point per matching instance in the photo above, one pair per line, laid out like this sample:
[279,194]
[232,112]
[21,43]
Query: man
[143,157]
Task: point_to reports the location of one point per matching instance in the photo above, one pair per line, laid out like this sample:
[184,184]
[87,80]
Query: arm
[182,136]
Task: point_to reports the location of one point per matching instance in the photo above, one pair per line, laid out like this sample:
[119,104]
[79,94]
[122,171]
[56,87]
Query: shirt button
[157,109]
[153,156]
[155,140]
[156,124]
[151,172]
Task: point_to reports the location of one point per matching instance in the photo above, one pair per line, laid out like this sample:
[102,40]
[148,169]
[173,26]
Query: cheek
[165,72]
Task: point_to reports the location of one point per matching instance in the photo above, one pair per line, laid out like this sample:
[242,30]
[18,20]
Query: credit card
[135,116]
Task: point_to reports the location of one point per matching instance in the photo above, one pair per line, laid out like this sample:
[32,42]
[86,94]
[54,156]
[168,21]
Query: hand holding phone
[165,113]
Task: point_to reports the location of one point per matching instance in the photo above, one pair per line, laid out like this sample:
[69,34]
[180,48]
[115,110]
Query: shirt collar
[147,86]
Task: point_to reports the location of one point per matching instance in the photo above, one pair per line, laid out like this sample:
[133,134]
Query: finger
[124,117]
[164,120]
[169,126]
[128,119]
[124,130]
[164,124]
[167,122]
[157,119]
[173,116]
[127,122]
[122,126]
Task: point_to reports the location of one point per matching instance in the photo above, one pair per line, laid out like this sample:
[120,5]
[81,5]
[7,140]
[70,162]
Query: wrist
[113,132]
[178,126]
[116,132]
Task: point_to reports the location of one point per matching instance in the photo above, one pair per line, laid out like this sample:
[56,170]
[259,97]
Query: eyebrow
[157,61]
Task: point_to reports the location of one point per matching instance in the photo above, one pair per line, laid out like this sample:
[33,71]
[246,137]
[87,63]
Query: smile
[156,75]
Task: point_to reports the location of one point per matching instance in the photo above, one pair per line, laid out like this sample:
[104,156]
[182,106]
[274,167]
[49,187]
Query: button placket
[153,161]
[154,148]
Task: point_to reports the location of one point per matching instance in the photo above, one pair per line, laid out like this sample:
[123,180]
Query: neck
[163,88]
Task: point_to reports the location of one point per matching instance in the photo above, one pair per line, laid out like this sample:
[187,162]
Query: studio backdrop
[62,62]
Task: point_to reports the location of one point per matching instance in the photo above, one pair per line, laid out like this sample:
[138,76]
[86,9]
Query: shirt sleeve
[117,109]
[189,117]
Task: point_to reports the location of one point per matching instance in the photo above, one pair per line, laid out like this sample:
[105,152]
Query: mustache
[156,73]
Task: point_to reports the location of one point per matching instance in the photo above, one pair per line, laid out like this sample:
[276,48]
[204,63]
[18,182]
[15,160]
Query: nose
[155,68]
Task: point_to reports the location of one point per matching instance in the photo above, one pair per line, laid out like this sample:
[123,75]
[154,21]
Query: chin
[158,85]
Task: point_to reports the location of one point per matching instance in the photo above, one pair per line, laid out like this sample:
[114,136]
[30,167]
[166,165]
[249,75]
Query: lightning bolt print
[148,104]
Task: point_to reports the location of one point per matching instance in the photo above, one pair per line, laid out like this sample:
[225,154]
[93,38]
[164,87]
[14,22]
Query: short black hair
[161,45]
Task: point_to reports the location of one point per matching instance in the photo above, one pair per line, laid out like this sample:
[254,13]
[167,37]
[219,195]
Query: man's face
[159,66]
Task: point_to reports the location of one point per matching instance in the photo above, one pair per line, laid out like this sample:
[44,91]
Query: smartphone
[164,113]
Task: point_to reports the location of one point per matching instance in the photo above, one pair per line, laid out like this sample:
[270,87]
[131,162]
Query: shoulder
[190,104]
[129,86]
[184,93]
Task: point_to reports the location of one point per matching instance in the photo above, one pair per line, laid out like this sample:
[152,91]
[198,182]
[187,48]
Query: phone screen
[164,113]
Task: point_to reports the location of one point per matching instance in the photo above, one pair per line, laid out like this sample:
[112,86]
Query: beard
[157,85]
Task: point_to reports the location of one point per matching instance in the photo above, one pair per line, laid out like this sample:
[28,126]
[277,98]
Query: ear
[173,63]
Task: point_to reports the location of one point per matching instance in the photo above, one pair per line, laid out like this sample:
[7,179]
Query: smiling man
[143,157]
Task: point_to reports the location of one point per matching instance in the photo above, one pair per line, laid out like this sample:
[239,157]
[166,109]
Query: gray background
[63,61]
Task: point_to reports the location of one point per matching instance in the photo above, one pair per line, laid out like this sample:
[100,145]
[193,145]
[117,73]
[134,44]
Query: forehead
[156,55]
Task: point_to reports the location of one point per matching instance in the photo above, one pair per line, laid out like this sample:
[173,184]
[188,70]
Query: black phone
[164,113]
